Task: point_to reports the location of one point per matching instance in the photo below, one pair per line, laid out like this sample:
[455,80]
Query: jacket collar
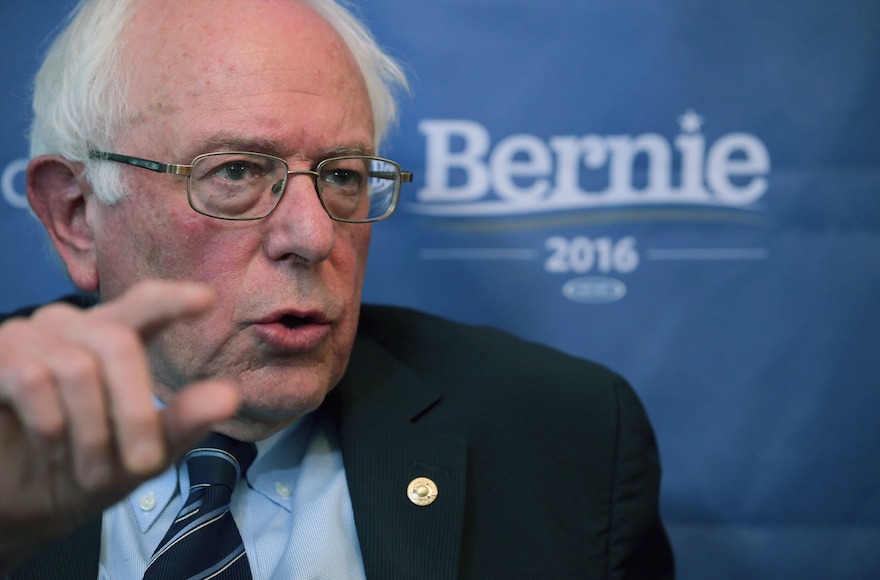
[384,411]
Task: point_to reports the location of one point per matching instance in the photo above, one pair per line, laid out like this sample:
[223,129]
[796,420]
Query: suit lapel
[384,448]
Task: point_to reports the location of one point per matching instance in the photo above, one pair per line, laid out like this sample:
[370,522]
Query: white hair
[81,92]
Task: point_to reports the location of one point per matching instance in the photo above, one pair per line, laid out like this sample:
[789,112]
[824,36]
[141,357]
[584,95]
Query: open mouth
[290,333]
[292,321]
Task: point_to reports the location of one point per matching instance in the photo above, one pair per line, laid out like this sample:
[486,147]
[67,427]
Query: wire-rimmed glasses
[240,185]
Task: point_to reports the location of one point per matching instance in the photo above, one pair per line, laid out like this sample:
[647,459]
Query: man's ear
[58,194]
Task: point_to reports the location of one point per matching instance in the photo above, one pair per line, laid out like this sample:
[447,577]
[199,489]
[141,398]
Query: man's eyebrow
[343,150]
[226,142]
[279,149]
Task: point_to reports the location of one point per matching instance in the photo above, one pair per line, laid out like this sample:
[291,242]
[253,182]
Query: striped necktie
[203,542]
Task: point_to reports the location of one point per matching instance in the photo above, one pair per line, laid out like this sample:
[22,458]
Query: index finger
[151,305]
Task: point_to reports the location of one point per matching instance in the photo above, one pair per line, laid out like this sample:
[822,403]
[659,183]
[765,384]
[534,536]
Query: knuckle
[15,333]
[27,379]
[54,312]
[30,389]
[81,368]
[12,327]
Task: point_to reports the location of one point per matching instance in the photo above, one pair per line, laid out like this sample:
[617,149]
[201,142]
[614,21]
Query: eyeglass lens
[248,186]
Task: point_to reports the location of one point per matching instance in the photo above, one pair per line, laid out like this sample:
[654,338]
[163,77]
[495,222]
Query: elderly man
[206,168]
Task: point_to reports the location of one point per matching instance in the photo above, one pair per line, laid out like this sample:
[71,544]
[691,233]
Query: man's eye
[235,171]
[343,178]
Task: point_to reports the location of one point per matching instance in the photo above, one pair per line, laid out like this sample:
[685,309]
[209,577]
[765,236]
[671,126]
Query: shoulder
[77,300]
[415,335]
[482,365]
[532,415]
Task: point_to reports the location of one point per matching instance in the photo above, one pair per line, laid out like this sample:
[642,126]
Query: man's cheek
[184,351]
[192,254]
[356,240]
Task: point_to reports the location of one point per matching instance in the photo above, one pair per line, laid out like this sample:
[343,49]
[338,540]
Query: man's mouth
[289,321]
[291,332]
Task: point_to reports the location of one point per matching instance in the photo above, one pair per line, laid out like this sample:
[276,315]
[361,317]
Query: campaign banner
[687,192]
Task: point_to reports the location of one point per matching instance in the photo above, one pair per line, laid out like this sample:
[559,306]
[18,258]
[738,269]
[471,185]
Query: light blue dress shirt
[292,508]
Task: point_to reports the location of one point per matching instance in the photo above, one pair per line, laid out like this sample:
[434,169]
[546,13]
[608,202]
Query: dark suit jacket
[546,466]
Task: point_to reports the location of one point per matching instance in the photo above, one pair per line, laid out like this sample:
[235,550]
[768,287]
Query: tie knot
[219,460]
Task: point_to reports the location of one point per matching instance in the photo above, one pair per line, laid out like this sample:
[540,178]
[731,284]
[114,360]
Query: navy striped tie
[203,542]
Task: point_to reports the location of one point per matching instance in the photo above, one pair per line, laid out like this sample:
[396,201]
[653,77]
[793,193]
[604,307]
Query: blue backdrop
[687,191]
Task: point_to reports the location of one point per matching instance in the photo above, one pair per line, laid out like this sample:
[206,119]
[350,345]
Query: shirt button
[282,490]
[148,502]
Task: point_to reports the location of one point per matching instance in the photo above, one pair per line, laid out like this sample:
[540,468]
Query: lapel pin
[422,491]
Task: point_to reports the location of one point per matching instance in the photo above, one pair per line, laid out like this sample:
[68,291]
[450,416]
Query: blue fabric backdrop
[687,191]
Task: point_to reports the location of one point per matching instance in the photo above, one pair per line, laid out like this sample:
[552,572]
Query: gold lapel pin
[422,491]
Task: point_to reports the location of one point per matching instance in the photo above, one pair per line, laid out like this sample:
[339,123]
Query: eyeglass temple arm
[173,168]
[143,163]
[405,176]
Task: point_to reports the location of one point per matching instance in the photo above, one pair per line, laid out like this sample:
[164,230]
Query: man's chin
[255,422]
[245,429]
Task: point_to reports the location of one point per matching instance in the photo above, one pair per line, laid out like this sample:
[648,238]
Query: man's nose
[299,225]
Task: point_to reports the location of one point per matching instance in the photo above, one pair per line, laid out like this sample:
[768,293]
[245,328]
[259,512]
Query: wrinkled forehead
[184,55]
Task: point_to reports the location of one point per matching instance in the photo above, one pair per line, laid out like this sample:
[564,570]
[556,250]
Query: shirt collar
[273,474]
[275,471]
[149,500]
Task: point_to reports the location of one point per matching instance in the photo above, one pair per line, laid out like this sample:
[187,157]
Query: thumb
[194,411]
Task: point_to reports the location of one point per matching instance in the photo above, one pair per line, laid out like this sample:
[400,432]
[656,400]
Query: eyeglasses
[236,185]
